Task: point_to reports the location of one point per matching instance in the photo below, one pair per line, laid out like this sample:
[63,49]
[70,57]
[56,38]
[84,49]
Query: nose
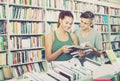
[82,24]
[69,25]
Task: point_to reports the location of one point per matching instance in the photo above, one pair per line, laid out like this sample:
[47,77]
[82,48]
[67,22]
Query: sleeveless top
[58,44]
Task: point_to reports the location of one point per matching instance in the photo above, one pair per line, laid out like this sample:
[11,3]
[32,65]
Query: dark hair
[63,14]
[87,14]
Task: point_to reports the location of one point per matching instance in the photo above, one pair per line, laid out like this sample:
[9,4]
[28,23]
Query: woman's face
[85,23]
[66,23]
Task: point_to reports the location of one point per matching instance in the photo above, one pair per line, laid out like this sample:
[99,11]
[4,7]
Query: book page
[76,48]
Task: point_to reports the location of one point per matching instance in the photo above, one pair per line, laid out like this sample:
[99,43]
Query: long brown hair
[63,14]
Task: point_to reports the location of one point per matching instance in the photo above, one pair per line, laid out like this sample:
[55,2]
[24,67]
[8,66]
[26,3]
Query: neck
[60,30]
[87,30]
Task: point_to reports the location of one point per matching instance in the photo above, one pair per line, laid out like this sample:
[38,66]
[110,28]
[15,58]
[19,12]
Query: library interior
[30,29]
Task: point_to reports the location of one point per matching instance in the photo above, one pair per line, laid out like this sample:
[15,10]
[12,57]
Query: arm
[97,52]
[97,48]
[74,38]
[98,44]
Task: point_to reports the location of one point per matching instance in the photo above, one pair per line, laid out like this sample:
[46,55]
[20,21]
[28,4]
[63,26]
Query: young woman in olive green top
[57,42]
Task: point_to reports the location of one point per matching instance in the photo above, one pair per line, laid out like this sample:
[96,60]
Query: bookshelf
[3,37]
[22,31]
[21,37]
[115,29]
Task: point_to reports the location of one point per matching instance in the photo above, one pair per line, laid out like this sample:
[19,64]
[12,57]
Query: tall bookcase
[24,23]
[115,28]
[3,37]
[22,37]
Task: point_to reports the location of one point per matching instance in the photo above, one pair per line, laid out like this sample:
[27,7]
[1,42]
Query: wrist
[94,49]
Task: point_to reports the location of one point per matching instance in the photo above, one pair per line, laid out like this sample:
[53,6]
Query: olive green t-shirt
[58,44]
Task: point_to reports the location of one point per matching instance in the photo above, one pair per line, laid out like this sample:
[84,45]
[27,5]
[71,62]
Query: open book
[76,48]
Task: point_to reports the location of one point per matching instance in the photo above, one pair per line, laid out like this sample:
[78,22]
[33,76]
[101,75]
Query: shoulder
[76,30]
[49,36]
[73,36]
[95,32]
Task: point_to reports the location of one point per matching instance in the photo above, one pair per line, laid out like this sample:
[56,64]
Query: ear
[60,20]
[91,24]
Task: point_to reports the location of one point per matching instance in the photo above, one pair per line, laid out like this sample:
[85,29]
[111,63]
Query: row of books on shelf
[114,20]
[115,45]
[26,13]
[26,28]
[25,42]
[101,28]
[53,15]
[10,72]
[98,9]
[101,19]
[115,37]
[115,28]
[27,2]
[60,4]
[21,57]
[114,11]
[2,0]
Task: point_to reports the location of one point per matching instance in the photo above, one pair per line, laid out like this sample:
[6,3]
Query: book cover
[7,72]
[3,59]
[24,67]
[14,72]
[37,68]
[57,75]
[76,48]
[1,75]
[106,78]
[111,55]
[63,73]
[41,67]
[1,42]
[102,79]
[1,27]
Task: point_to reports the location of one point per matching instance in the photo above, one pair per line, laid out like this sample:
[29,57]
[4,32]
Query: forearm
[53,56]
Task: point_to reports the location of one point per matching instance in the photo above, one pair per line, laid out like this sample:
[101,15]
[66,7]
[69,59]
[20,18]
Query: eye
[66,23]
[70,23]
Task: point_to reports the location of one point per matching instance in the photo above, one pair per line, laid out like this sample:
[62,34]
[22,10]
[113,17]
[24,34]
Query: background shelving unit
[22,37]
